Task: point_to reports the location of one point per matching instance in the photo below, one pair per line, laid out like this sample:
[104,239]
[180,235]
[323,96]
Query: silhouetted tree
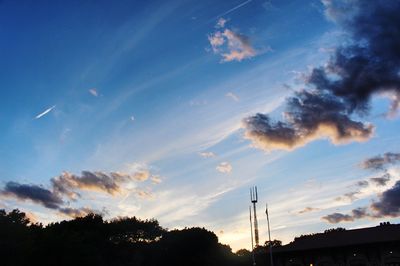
[244,257]
[15,237]
[338,229]
[124,241]
[274,243]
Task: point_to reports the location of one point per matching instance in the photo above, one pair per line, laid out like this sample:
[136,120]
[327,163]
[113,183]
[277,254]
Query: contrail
[232,9]
[45,112]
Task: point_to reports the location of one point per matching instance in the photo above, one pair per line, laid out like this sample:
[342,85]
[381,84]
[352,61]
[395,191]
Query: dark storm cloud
[359,213]
[111,183]
[41,196]
[340,217]
[367,64]
[45,197]
[309,115]
[337,218]
[382,180]
[381,162]
[34,193]
[68,185]
[388,203]
[370,63]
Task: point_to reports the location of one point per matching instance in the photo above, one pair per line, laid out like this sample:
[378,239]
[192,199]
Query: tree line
[91,240]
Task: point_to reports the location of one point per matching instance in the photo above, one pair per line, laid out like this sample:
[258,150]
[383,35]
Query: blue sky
[158,91]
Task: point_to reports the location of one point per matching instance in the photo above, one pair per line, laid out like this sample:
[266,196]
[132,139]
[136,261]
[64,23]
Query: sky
[173,109]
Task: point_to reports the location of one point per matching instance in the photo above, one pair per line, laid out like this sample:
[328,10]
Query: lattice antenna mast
[251,233]
[254,199]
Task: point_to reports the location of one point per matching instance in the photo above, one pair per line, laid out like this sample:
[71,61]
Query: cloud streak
[232,96]
[381,161]
[48,110]
[308,209]
[382,180]
[75,213]
[349,196]
[207,154]
[234,8]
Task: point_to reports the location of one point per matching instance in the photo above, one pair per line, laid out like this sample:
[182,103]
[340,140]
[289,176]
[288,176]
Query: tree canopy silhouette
[91,240]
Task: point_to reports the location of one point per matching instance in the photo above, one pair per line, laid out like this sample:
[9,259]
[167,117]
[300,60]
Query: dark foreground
[125,241]
[90,240]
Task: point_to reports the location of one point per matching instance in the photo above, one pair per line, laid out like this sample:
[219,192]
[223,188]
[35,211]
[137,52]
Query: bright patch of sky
[164,86]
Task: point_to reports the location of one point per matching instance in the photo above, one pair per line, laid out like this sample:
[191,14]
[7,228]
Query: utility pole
[269,235]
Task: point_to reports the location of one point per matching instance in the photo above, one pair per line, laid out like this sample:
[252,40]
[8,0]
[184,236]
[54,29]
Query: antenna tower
[254,199]
[252,244]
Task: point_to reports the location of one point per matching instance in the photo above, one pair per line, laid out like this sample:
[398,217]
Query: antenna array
[254,199]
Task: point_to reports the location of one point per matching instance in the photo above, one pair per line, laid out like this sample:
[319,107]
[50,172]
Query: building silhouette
[373,246]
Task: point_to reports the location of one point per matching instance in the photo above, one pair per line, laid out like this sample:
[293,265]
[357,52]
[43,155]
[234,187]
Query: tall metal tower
[252,243]
[254,198]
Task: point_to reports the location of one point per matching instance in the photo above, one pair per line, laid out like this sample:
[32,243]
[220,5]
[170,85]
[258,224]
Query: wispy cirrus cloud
[224,168]
[349,196]
[232,96]
[77,212]
[353,195]
[155,179]
[308,209]
[207,154]
[144,194]
[234,8]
